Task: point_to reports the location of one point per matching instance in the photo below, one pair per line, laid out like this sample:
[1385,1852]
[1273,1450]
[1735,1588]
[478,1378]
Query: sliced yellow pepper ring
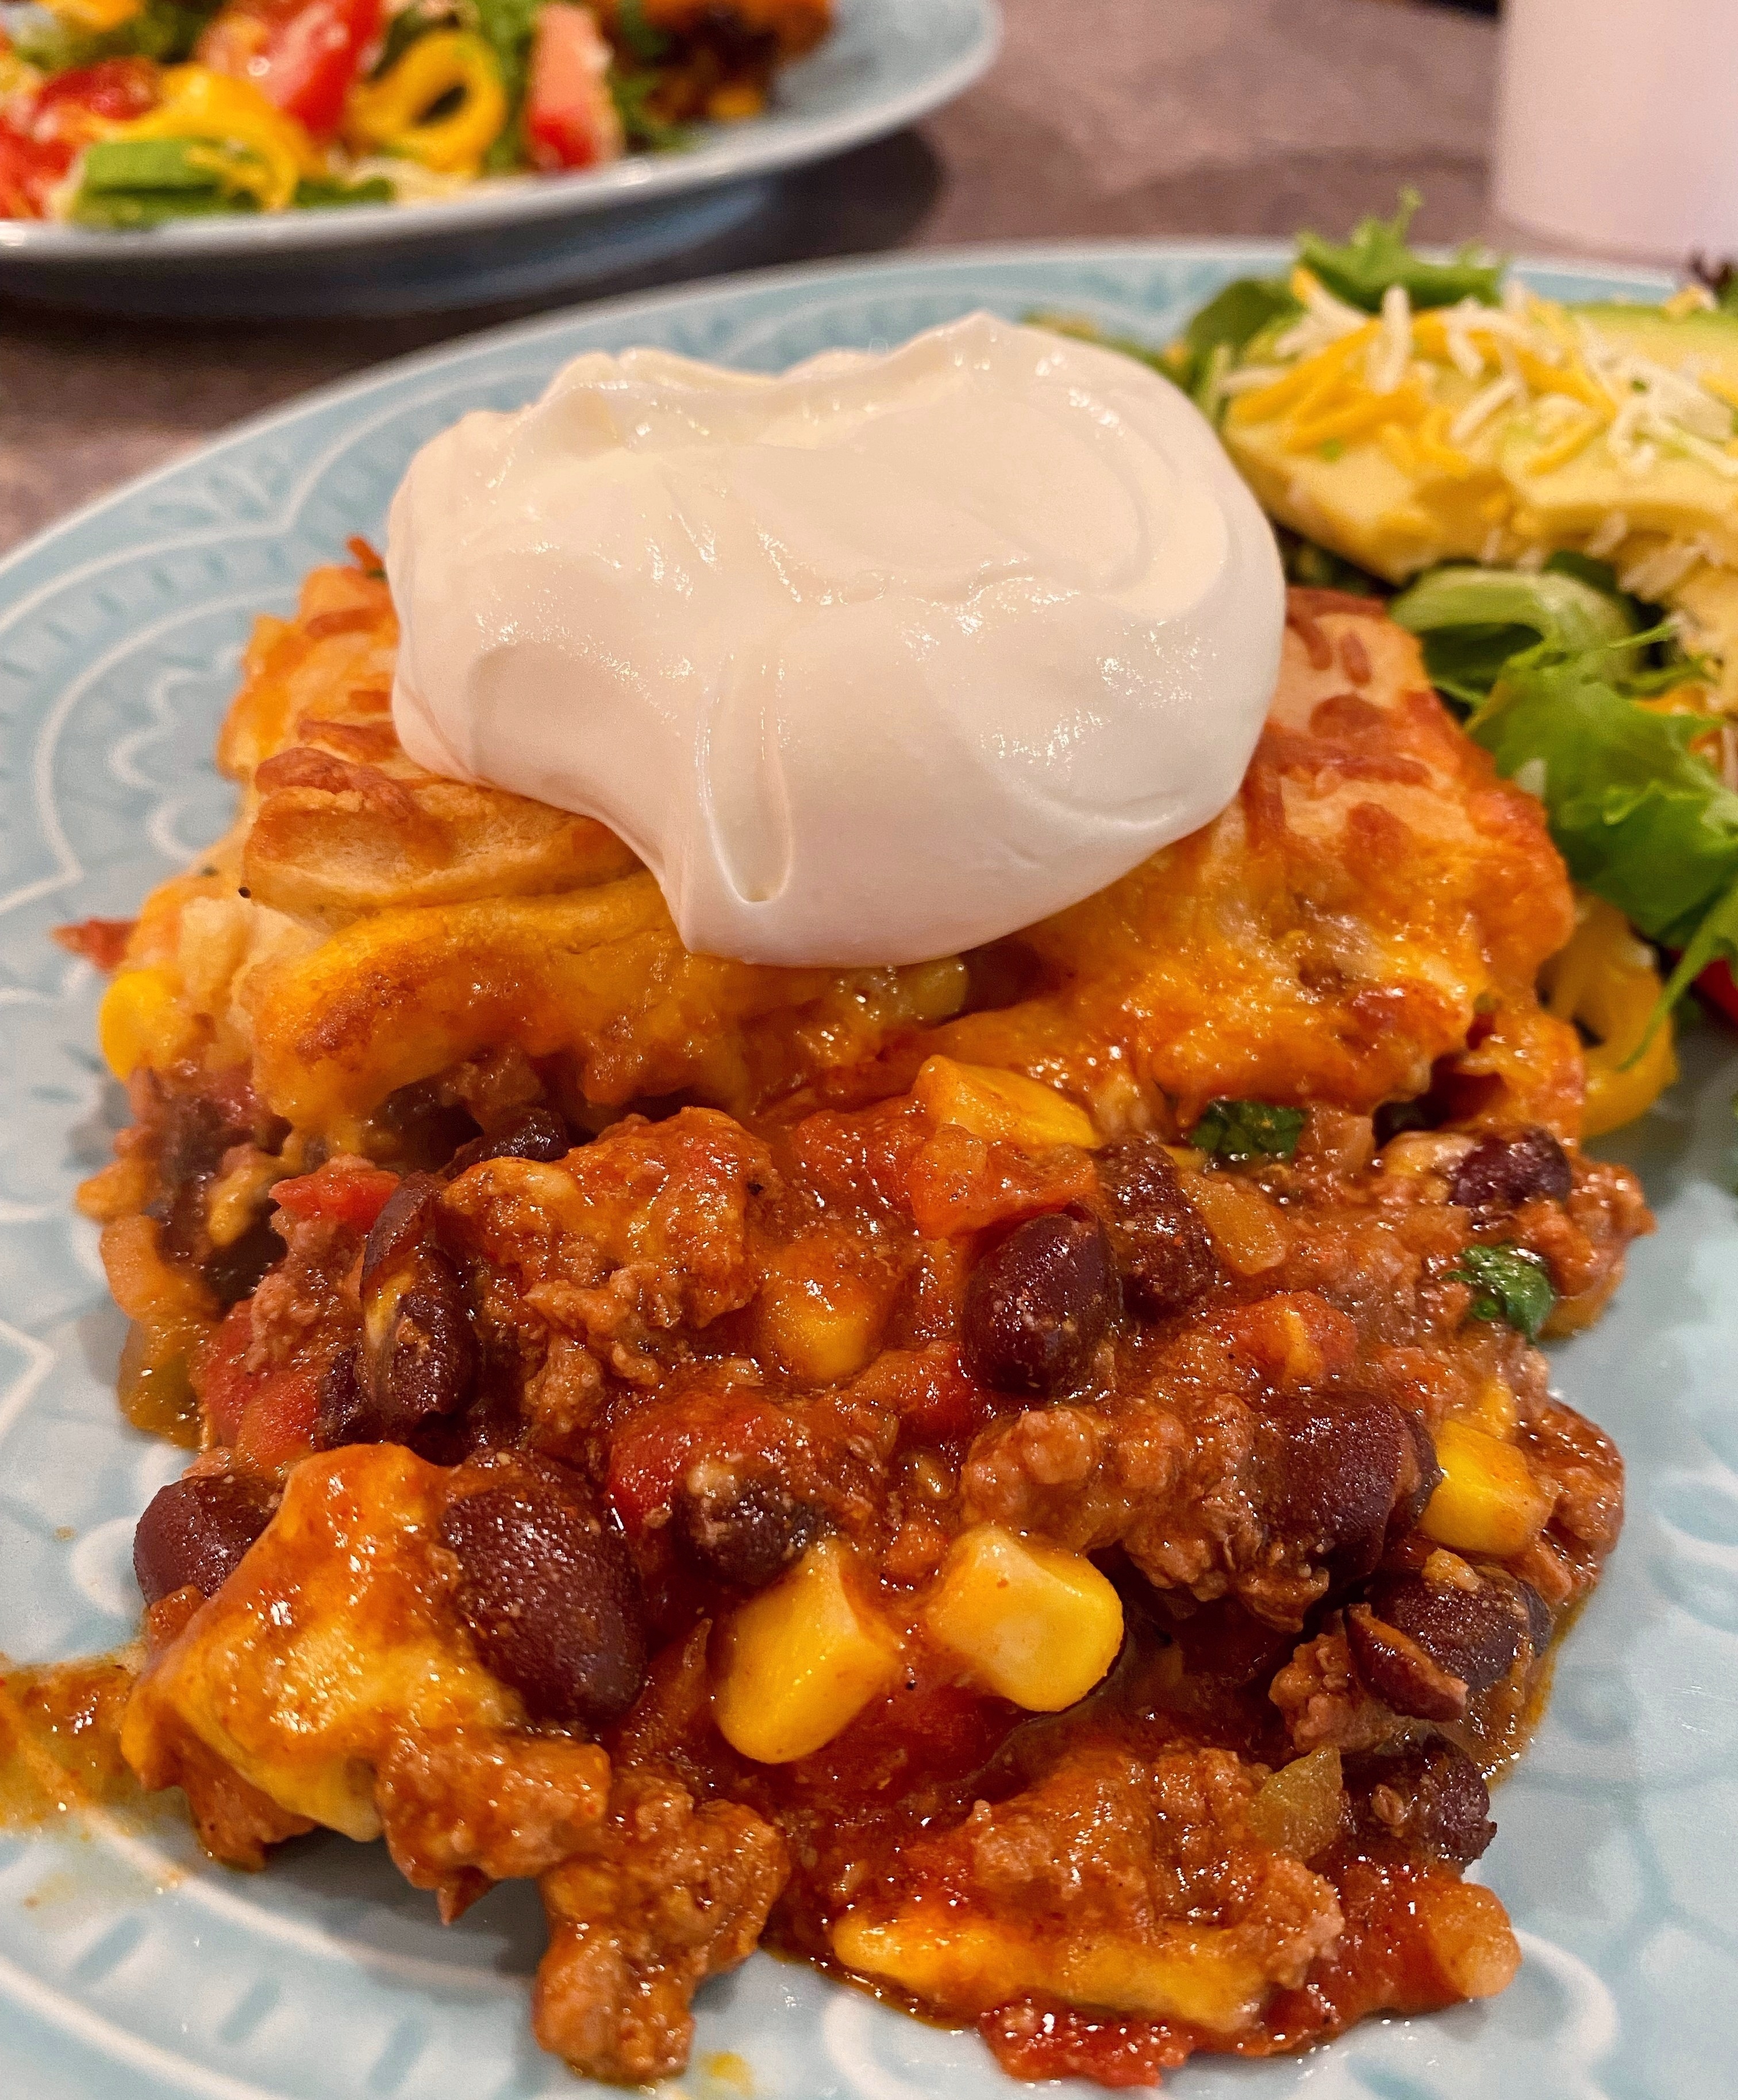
[391,114]
[254,146]
[1605,980]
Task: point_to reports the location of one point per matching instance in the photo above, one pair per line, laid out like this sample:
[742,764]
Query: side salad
[1548,494]
[124,113]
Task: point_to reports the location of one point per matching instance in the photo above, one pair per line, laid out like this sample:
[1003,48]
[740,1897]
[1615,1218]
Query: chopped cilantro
[1507,1284]
[1248,1130]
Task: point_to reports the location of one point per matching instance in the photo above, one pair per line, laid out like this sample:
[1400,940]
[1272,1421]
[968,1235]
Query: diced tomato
[1719,990]
[650,1457]
[302,55]
[115,90]
[265,1417]
[345,1195]
[570,117]
[224,1384]
[277,1425]
[43,133]
[30,171]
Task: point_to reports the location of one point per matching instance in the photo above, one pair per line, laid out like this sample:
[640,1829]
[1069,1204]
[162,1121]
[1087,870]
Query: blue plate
[130,1970]
[885,64]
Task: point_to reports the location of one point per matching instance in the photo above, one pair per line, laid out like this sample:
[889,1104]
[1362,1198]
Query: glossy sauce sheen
[825,1375]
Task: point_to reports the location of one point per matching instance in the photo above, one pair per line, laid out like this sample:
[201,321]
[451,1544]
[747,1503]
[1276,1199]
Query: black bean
[1430,1796]
[1538,1617]
[1419,1482]
[1399,1672]
[1161,1246]
[1038,1303]
[425,1364]
[423,1131]
[236,1271]
[1474,1634]
[551,1600]
[533,1133]
[419,1356]
[197,1531]
[406,1218]
[342,1414]
[740,1528]
[1335,1471]
[195,1133]
[1507,1171]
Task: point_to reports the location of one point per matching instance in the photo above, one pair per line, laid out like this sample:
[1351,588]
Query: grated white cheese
[1491,552]
[1613,530]
[1251,378]
[1653,575]
[1391,351]
[1482,407]
[1532,777]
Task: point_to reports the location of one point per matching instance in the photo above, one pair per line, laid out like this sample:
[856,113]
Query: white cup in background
[1617,124]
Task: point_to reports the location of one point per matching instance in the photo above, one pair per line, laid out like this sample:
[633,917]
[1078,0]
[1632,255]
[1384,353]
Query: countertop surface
[1101,117]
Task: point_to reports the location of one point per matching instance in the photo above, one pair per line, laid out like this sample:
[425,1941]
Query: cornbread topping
[882,659]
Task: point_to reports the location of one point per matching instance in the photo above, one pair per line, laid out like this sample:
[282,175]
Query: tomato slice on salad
[570,117]
[302,55]
[39,141]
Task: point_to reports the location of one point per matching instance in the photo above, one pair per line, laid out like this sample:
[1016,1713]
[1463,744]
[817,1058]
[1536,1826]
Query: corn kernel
[1037,1625]
[1468,1933]
[801,1661]
[817,1313]
[140,1023]
[1006,1105]
[1488,1502]
[1495,1411]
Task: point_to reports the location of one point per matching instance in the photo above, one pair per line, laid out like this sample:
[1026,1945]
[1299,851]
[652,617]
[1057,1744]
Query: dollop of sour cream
[869,662]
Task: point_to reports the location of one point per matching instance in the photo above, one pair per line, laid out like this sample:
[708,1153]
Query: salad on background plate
[122,114]
[1548,494]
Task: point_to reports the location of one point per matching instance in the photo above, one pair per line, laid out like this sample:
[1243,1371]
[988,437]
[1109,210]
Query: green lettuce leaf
[321,191]
[162,29]
[1639,818]
[126,183]
[632,89]
[1361,269]
[507,27]
[1224,329]
[644,42]
[1473,621]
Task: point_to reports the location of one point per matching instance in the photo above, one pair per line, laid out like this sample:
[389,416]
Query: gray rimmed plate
[885,64]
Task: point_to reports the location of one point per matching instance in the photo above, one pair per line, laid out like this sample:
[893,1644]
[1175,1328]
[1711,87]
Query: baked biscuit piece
[1363,923]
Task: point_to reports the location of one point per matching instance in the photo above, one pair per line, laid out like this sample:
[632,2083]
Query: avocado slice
[1707,335]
